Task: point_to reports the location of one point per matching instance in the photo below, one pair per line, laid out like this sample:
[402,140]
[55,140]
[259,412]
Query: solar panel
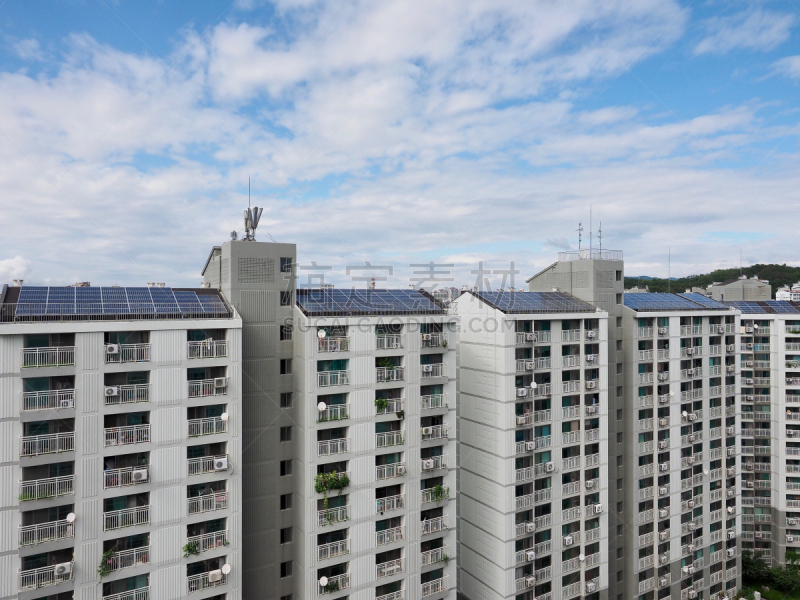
[348,302]
[164,300]
[747,308]
[703,300]
[781,307]
[533,302]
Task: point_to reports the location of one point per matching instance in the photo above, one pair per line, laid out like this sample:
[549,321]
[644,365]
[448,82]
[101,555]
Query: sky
[382,135]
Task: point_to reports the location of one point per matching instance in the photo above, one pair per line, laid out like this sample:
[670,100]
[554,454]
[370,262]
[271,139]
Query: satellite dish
[224,416]
[321,333]
[533,385]
[581,557]
[672,393]
[321,406]
[705,471]
[685,414]
[226,568]
[71,518]
[756,326]
[323,581]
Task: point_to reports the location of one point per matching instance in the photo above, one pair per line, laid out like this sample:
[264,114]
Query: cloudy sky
[396,133]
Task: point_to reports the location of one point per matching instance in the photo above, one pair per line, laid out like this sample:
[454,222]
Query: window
[619,484]
[619,298]
[619,414]
[286,468]
[619,527]
[286,434]
[619,368]
[286,399]
[619,438]
[619,275]
[286,535]
[619,575]
[286,298]
[286,332]
[289,597]
[619,345]
[619,391]
[286,569]
[286,501]
[286,265]
[619,321]
[619,461]
[286,366]
[619,553]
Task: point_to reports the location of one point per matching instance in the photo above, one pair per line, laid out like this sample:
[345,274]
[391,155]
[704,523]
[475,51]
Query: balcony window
[331,544]
[389,368]
[127,346]
[127,387]
[207,497]
[207,458]
[432,397]
[389,591]
[333,372]
[389,401]
[47,437]
[48,393]
[389,433]
[334,340]
[53,350]
[389,337]
[332,441]
[126,428]
[338,579]
[47,481]
[125,552]
[207,381]
[46,525]
[126,469]
[206,343]
[432,365]
[208,535]
[332,510]
[205,574]
[48,568]
[207,420]
[336,407]
[126,511]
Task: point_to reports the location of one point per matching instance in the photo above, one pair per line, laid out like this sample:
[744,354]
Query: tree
[753,567]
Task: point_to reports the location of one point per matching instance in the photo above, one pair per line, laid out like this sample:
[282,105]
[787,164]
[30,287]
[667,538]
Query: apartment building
[770,428]
[375,445]
[683,507]
[533,447]
[120,463]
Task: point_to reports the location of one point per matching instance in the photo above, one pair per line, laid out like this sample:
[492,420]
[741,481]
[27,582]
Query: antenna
[600,235]
[580,233]
[248,191]
[669,270]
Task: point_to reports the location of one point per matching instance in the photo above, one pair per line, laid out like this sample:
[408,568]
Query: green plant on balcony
[381,403]
[325,482]
[332,586]
[445,559]
[385,363]
[106,562]
[439,493]
[444,343]
[25,496]
[190,549]
[401,414]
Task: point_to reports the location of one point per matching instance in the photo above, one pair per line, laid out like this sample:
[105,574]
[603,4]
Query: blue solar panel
[347,302]
[747,308]
[164,300]
[533,302]
[781,307]
[661,301]
[703,300]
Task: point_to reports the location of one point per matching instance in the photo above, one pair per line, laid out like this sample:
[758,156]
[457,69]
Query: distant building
[637,290]
[787,294]
[748,290]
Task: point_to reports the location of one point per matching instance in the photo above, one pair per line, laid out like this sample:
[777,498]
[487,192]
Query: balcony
[125,559]
[387,374]
[30,535]
[335,583]
[127,517]
[335,412]
[433,370]
[142,593]
[208,426]
[644,332]
[389,341]
[51,443]
[390,471]
[434,525]
[434,587]
[61,356]
[533,337]
[436,432]
[208,387]
[333,344]
[431,557]
[128,353]
[330,516]
[48,400]
[434,340]
[51,487]
[333,447]
[434,463]
[208,349]
[334,549]
[524,474]
[570,387]
[127,394]
[121,477]
[433,401]
[571,335]
[435,494]
[389,568]
[393,405]
[391,503]
[389,438]
[206,464]
[389,536]
[333,378]
[34,579]
[208,541]
[123,436]
[202,581]
[208,502]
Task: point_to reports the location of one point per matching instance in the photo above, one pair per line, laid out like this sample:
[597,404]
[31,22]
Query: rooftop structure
[741,289]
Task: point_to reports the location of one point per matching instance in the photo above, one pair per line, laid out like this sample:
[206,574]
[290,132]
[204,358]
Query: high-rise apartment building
[120,462]
[533,447]
[374,434]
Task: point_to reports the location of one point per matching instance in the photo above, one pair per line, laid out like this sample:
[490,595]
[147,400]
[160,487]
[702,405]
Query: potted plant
[190,549]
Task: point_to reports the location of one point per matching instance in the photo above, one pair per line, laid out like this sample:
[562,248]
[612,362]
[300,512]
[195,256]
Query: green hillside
[777,275]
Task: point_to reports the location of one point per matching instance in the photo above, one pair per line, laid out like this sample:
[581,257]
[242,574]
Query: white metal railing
[523,474]
[330,516]
[388,341]
[208,502]
[592,460]
[50,443]
[48,400]
[335,583]
[201,581]
[645,332]
[208,541]
[433,401]
[33,579]
[571,335]
[393,405]
[36,489]
[331,447]
[570,412]
[434,587]
[333,378]
[129,434]
[333,344]
[208,387]
[434,556]
[433,463]
[390,503]
[569,387]
[142,593]
[121,477]
[389,438]
[433,370]
[436,432]
[385,374]
[129,353]
[389,471]
[203,464]
[646,377]
[125,559]
[45,532]
[570,360]
[570,514]
[207,426]
[429,495]
[389,568]
[208,349]
[129,394]
[126,517]
[570,437]
[389,536]
[333,549]
[434,525]
[60,356]
[433,340]
[533,337]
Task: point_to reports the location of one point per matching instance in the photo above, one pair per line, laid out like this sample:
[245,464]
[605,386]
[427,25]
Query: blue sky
[396,133]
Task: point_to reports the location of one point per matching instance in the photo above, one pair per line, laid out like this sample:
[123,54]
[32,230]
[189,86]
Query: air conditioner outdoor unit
[590,385]
[731,451]
[759,535]
[427,464]
[690,437]
[731,552]
[427,368]
[663,399]
[429,430]
[790,538]
[750,398]
[592,409]
[749,363]
[522,392]
[792,521]
[749,346]
[220,382]
[690,503]
[63,568]
[731,493]
[663,422]
[66,403]
[401,469]
[721,329]
[215,576]
[690,460]
[731,510]
[530,555]
[591,334]
[731,534]
[689,351]
[589,484]
[663,581]
[112,348]
[549,467]
[139,475]
[731,368]
[692,417]
[690,570]
[426,337]
[692,594]
[529,365]
[748,466]
[663,376]
[662,491]
[748,330]
[531,337]
[731,347]
[731,471]
[530,581]
[520,421]
[598,508]
[221,463]
[662,445]
[590,586]
[568,540]
[662,330]
[691,548]
[530,527]
[750,484]
[730,430]
[111,390]
[748,381]
[663,535]
[663,513]
[530,446]
[590,358]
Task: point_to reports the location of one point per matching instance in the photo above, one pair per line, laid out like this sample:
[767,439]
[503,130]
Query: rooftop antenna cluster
[251,218]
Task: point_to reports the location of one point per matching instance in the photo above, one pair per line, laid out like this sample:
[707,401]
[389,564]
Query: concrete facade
[742,289]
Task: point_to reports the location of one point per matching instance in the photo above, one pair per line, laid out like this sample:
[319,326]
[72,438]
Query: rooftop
[659,302]
[49,303]
[590,254]
[534,302]
[331,302]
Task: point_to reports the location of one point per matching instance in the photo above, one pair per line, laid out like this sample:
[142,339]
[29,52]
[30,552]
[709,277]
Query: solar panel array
[765,307]
[662,302]
[344,302]
[534,302]
[747,308]
[94,301]
[703,300]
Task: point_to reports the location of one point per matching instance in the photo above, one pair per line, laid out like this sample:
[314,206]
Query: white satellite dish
[323,581]
[581,557]
[756,326]
[226,568]
[705,471]
[321,406]
[224,416]
[533,385]
[321,333]
[685,414]
[672,393]
[71,518]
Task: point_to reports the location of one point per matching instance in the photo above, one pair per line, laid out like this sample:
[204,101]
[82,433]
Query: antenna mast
[669,269]
[600,236]
[580,234]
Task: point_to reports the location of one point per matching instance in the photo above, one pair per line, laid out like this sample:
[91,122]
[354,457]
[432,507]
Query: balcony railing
[129,353]
[126,559]
[142,593]
[208,387]
[45,532]
[331,447]
[389,568]
[333,515]
[208,541]
[433,401]
[51,487]
[60,356]
[48,400]
[204,464]
[434,525]
[434,340]
[385,374]
[389,536]
[207,426]
[129,394]
[434,556]
[208,502]
[51,443]
[388,341]
[433,370]
[34,579]
[208,349]
[393,405]
[435,494]
[434,587]
[389,471]
[434,462]
[121,477]
[334,412]
[436,432]
[389,438]
[126,517]
[333,344]
[201,582]
[335,583]
[333,378]
[391,503]
[130,434]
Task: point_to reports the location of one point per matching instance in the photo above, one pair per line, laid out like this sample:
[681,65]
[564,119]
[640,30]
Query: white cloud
[755,29]
[29,49]
[789,66]
[14,268]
